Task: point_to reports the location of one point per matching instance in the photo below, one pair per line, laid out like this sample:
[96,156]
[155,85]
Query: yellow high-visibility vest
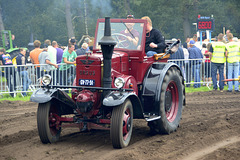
[233,52]
[218,55]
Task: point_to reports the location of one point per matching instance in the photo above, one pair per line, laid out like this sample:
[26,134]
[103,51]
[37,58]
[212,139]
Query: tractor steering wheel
[122,40]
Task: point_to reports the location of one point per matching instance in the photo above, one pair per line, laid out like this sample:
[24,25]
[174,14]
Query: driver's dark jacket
[156,37]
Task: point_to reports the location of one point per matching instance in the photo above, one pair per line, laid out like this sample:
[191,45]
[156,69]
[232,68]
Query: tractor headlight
[119,82]
[46,80]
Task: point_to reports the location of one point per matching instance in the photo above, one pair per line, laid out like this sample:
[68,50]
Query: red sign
[205,24]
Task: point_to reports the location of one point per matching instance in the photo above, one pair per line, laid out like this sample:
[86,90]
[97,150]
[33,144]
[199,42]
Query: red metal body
[131,65]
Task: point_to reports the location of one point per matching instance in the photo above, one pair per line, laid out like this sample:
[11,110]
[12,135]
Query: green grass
[201,89]
[18,97]
[3,79]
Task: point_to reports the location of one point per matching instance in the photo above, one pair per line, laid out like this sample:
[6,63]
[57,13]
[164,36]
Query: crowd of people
[50,54]
[220,58]
[221,61]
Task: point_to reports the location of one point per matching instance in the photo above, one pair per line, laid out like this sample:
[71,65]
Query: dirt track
[210,129]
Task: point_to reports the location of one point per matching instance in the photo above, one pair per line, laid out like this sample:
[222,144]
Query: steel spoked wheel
[121,124]
[171,103]
[48,121]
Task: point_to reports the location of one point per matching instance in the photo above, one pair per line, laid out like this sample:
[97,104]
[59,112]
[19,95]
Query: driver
[132,37]
[155,42]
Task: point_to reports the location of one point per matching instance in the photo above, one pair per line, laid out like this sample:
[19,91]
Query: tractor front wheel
[121,124]
[48,122]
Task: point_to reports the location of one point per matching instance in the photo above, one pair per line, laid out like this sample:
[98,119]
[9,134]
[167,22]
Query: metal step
[151,116]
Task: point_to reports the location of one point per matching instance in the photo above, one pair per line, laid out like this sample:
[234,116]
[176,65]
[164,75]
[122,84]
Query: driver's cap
[130,16]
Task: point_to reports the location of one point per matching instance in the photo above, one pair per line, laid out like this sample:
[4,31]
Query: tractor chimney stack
[107,45]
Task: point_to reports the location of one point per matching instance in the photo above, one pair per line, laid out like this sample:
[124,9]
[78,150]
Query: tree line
[60,19]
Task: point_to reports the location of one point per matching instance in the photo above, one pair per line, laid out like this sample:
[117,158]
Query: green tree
[47,19]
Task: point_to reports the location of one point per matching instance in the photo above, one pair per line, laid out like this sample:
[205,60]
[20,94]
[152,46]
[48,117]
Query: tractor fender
[162,75]
[44,95]
[152,83]
[116,98]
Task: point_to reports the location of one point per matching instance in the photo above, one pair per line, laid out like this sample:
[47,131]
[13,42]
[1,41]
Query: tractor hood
[90,67]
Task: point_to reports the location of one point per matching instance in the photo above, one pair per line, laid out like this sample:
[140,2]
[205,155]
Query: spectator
[207,65]
[13,42]
[26,81]
[88,41]
[225,38]
[195,53]
[235,39]
[59,58]
[69,57]
[155,42]
[34,56]
[233,56]
[179,55]
[44,58]
[204,49]
[217,53]
[185,44]
[91,48]
[196,44]
[74,42]
[82,50]
[204,36]
[52,52]
[9,72]
[71,41]
[187,67]
[59,52]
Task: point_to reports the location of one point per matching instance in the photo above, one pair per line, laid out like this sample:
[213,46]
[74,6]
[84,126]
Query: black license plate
[86,82]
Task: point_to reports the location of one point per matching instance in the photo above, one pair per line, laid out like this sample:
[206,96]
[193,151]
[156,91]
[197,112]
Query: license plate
[86,82]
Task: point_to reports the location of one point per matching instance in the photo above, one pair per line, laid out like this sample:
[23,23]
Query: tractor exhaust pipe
[107,45]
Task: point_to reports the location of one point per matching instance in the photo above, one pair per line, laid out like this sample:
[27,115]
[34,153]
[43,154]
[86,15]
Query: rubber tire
[47,134]
[168,124]
[117,128]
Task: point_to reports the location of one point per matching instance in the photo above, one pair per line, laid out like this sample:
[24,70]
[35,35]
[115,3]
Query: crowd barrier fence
[14,78]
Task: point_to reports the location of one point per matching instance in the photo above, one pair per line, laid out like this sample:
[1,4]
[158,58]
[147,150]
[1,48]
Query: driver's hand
[153,45]
[129,38]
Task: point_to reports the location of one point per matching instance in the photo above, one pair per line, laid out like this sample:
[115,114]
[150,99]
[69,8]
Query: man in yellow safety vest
[233,57]
[218,58]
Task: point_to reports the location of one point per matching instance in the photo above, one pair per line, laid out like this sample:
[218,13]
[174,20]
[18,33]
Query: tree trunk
[186,23]
[85,17]
[1,21]
[69,19]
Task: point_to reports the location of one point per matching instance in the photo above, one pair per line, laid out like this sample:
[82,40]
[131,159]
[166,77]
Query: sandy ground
[209,129]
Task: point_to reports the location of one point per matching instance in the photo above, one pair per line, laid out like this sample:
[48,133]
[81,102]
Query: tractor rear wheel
[171,103]
[121,124]
[48,122]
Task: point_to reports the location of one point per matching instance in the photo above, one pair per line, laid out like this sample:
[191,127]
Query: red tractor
[114,85]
